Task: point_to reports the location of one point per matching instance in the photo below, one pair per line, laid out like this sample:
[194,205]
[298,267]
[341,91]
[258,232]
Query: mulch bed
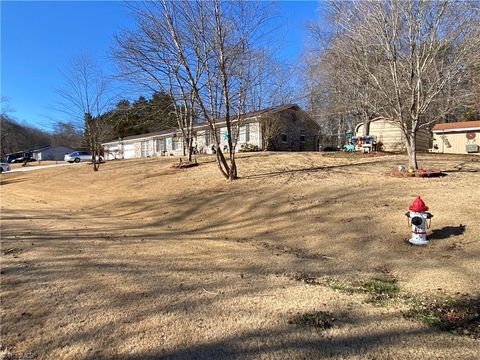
[422,173]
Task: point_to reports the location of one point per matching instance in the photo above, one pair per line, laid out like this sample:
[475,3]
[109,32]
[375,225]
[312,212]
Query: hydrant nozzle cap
[418,205]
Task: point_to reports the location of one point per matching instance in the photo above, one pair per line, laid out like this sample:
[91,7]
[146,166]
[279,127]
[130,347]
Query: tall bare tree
[203,52]
[86,98]
[406,61]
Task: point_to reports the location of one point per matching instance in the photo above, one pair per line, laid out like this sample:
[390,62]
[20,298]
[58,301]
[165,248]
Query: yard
[142,261]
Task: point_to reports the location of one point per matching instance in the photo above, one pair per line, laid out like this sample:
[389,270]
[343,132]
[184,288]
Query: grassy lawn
[305,256]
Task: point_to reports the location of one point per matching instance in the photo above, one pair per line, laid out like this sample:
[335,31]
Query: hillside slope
[143,261]
[17,137]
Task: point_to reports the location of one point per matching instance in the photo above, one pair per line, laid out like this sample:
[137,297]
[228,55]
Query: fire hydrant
[418,217]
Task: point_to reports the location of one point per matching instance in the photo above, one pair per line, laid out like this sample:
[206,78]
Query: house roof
[249,115]
[155,133]
[457,126]
[29,150]
[50,147]
[270,110]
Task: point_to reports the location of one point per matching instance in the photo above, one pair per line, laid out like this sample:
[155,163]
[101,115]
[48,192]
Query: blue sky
[39,38]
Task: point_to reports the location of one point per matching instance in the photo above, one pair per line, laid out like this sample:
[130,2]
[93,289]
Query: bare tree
[405,61]
[66,134]
[85,99]
[203,52]
[5,106]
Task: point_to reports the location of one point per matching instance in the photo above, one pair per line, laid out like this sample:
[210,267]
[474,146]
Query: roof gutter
[456,130]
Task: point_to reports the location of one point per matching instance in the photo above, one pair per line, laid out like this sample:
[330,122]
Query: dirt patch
[317,319]
[11,251]
[460,316]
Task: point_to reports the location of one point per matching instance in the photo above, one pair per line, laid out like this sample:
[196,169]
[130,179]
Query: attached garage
[129,151]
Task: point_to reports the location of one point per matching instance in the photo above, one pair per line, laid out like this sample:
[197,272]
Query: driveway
[31,168]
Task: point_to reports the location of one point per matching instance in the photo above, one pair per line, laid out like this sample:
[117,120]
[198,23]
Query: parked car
[12,157]
[4,167]
[19,157]
[22,159]
[78,156]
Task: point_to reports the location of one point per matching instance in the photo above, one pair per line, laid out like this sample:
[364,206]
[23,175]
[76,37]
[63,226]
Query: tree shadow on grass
[4,181]
[313,169]
[278,343]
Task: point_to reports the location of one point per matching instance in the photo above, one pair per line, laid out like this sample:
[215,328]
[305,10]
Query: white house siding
[112,152]
[133,148]
[178,151]
[255,134]
[200,142]
[254,138]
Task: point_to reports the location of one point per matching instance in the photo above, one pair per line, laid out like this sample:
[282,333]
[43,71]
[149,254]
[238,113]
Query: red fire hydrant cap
[418,205]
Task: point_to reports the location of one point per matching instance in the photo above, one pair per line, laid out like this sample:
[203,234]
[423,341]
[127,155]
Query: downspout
[443,141]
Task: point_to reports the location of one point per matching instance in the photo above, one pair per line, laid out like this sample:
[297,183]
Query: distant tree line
[16,137]
[126,118]
[141,116]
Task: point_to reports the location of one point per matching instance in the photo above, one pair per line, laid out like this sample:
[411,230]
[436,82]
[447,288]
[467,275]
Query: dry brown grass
[142,261]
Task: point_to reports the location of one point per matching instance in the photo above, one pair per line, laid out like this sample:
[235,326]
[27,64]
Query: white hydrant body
[419,218]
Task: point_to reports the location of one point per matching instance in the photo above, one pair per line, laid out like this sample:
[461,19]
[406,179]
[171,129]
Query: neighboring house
[55,153]
[457,138]
[389,136]
[283,128]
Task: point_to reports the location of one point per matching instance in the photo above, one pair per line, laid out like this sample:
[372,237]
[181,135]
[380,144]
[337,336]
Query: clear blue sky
[39,38]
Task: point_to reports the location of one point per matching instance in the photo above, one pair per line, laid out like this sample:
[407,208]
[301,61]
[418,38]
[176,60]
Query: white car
[4,167]
[78,156]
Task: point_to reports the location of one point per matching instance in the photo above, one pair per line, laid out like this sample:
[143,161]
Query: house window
[247,132]
[144,148]
[233,132]
[208,138]
[241,136]
[284,138]
[302,138]
[176,143]
[160,145]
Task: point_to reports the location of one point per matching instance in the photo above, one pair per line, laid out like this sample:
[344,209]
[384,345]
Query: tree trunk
[190,148]
[366,126]
[222,162]
[412,149]
[232,175]
[233,170]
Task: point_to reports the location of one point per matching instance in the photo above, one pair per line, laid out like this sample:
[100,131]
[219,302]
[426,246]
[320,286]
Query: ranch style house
[282,128]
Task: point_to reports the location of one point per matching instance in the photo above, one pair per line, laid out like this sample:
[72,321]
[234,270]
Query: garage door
[129,151]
